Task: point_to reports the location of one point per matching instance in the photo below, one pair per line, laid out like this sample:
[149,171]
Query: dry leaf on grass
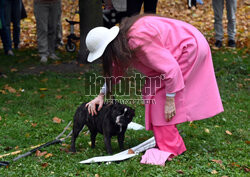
[214,172]
[40,154]
[48,155]
[57,120]
[217,161]
[44,165]
[228,132]
[130,151]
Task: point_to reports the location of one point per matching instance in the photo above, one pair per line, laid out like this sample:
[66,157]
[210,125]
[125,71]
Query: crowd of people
[49,30]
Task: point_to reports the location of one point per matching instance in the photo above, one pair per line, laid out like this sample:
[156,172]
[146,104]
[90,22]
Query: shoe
[218,44]
[54,57]
[231,43]
[10,53]
[44,59]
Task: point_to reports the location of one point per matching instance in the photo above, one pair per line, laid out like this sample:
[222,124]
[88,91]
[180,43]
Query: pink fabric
[155,156]
[180,52]
[168,139]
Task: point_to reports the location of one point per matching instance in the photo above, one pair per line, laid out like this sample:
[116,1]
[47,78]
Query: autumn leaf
[235,164]
[48,155]
[57,120]
[247,170]
[217,161]
[130,151]
[0,118]
[44,165]
[59,96]
[13,70]
[214,172]
[10,89]
[228,132]
[207,130]
[33,124]
[3,92]
[42,96]
[247,142]
[40,154]
[180,171]
[44,80]
[43,89]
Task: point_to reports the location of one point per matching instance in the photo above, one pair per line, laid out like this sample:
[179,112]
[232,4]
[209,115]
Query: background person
[13,14]
[4,32]
[218,6]
[46,14]
[158,46]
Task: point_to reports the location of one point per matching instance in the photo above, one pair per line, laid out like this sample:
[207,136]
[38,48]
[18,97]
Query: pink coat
[180,52]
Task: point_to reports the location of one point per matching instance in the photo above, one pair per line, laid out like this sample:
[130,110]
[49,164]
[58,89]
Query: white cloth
[150,143]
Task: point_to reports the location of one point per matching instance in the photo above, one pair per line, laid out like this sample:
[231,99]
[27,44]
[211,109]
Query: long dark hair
[117,56]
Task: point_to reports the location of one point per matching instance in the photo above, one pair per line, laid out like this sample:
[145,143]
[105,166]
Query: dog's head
[122,115]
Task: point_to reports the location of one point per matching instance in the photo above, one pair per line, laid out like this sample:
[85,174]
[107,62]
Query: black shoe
[231,43]
[218,44]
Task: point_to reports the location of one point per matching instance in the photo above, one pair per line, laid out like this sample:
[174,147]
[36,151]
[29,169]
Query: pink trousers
[169,143]
[168,139]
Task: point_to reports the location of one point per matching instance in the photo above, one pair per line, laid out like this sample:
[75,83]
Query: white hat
[97,40]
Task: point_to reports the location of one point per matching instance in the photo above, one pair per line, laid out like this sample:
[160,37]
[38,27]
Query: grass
[27,119]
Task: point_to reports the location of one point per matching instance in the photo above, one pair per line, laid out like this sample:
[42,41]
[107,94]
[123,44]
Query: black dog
[111,120]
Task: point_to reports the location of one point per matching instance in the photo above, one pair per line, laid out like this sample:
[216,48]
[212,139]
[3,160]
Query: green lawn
[215,147]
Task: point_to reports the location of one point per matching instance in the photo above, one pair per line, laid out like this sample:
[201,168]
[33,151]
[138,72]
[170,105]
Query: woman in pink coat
[176,52]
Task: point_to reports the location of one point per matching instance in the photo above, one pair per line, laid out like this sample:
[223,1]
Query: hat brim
[92,56]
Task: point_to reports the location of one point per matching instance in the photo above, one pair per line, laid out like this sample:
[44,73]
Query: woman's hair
[118,56]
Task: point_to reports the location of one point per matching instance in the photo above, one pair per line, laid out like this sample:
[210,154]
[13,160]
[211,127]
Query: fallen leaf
[10,89]
[217,161]
[44,80]
[59,96]
[42,96]
[0,118]
[43,89]
[40,154]
[3,92]
[235,164]
[48,155]
[13,70]
[64,150]
[44,165]
[130,151]
[207,130]
[180,171]
[33,124]
[57,120]
[214,172]
[247,142]
[247,170]
[228,132]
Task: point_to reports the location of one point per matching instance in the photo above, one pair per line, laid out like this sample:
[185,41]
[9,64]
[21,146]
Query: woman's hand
[99,100]
[169,108]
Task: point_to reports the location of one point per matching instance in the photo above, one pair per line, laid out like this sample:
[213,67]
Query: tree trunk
[90,17]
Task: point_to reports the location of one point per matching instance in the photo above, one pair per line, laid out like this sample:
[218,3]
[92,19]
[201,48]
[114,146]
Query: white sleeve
[171,95]
[104,89]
